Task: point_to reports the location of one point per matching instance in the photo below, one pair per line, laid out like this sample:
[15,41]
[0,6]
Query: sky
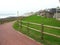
[10,7]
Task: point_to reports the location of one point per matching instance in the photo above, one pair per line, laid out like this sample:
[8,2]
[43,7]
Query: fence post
[28,28]
[42,30]
[21,23]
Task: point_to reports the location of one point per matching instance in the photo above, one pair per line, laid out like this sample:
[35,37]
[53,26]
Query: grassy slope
[46,21]
[36,35]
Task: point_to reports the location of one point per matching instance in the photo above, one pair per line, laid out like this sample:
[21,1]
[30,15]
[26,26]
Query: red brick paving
[8,36]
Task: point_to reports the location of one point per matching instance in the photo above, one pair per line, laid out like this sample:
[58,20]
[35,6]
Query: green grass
[48,40]
[46,21]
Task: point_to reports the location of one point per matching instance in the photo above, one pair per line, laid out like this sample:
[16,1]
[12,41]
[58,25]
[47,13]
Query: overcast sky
[24,6]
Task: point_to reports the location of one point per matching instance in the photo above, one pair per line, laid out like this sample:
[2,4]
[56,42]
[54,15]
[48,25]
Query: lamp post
[57,9]
[18,16]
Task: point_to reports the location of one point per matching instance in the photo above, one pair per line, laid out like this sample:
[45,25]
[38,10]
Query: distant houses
[50,13]
[45,13]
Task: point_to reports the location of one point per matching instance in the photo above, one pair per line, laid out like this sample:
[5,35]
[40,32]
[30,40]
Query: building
[50,13]
[45,13]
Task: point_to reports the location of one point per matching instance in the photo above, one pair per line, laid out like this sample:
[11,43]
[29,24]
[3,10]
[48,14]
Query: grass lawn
[48,40]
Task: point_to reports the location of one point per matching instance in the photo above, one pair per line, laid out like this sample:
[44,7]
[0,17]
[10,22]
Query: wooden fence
[42,28]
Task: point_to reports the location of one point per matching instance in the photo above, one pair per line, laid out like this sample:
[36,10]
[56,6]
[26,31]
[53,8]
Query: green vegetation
[4,20]
[40,20]
[48,40]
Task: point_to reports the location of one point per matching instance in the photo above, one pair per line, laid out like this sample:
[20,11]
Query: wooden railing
[42,28]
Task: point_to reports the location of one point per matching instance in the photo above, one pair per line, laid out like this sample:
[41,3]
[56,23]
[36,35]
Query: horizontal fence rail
[43,25]
[31,23]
